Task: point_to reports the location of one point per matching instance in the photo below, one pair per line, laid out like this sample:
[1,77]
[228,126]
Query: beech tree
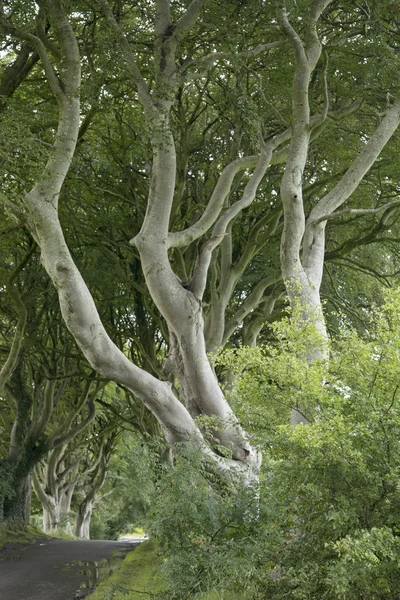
[192,295]
[93,476]
[55,480]
[25,398]
[180,306]
[44,385]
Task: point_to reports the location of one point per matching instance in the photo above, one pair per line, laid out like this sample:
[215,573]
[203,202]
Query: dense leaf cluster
[327,526]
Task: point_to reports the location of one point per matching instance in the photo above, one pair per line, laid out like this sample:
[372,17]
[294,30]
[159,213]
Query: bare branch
[41,22]
[313,44]
[16,345]
[47,409]
[197,284]
[353,176]
[325,111]
[255,322]
[16,72]
[292,36]
[357,211]
[64,439]
[214,207]
[250,304]
[248,195]
[222,189]
[115,412]
[317,8]
[210,59]
[257,240]
[39,491]
[82,400]
[163,17]
[40,48]
[105,495]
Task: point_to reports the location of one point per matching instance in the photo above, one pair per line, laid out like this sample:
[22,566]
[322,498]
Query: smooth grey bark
[77,306]
[306,270]
[82,524]
[180,305]
[90,489]
[56,498]
[303,241]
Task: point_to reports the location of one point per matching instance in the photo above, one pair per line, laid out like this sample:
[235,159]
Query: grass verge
[137,579]
[140,578]
[14,533]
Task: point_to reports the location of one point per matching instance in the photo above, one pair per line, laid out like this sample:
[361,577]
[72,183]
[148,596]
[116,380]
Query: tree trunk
[51,517]
[15,502]
[303,241]
[83,518]
[56,513]
[55,498]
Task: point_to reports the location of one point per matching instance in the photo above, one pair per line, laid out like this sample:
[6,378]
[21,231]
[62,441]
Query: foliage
[328,524]
[203,530]
[137,577]
[134,468]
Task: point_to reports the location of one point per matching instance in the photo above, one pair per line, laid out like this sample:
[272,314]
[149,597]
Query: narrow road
[50,570]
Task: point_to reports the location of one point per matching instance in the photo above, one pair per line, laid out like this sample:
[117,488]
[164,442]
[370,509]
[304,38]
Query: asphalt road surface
[58,569]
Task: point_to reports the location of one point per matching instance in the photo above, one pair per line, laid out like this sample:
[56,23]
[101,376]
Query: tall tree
[54,483]
[193,221]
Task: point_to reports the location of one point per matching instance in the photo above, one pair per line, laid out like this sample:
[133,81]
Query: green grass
[16,532]
[138,577]
[63,535]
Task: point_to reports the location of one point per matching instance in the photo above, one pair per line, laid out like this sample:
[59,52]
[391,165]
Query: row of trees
[60,424]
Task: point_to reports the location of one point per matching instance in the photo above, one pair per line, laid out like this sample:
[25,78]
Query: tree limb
[252,301]
[47,410]
[198,282]
[39,491]
[357,211]
[64,439]
[214,207]
[189,18]
[17,72]
[213,57]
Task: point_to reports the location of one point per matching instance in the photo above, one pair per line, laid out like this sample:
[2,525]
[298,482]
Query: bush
[329,503]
